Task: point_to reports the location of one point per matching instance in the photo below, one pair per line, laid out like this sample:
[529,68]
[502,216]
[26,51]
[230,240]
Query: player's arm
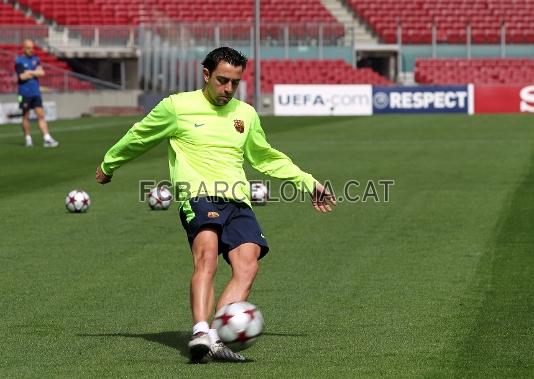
[264,158]
[39,72]
[158,125]
[23,74]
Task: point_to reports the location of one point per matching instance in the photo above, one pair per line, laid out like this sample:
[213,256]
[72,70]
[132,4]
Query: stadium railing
[187,33]
[15,34]
[55,80]
[99,36]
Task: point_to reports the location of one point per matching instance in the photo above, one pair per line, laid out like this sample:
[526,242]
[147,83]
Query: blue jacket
[30,87]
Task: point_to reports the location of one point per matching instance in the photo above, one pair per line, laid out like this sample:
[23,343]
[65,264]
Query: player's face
[28,48]
[222,83]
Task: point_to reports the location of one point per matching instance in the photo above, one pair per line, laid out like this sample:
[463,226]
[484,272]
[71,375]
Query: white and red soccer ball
[238,324]
[259,193]
[77,201]
[159,198]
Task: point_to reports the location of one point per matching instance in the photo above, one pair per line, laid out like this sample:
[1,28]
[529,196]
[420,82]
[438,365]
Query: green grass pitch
[439,282]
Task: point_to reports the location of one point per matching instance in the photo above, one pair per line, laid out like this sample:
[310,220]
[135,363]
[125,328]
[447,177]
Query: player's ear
[206,74]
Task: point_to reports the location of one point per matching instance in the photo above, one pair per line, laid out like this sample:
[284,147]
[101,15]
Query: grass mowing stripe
[63,126]
[69,129]
[501,341]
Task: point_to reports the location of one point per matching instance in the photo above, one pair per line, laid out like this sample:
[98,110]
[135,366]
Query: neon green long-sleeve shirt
[207,147]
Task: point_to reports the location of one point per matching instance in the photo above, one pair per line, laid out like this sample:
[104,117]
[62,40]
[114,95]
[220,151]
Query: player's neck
[207,97]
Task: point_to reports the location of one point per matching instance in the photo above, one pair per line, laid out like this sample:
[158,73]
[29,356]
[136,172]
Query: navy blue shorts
[235,223]
[27,103]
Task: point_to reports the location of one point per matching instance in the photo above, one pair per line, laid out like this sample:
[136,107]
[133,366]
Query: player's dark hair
[226,54]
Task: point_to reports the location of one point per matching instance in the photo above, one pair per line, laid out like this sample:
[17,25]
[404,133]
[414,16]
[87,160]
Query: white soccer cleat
[28,143]
[50,143]
[199,347]
[222,353]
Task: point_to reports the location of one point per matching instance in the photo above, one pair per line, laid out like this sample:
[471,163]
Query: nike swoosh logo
[198,125]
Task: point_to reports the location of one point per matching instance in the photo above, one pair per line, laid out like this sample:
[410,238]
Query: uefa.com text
[352,191]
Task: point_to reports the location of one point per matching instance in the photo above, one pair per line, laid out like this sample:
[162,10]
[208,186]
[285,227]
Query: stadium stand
[121,12]
[43,56]
[299,71]
[56,78]
[12,16]
[82,12]
[451,18]
[476,71]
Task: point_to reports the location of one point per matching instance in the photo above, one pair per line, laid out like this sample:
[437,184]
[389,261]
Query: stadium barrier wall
[322,100]
[361,100]
[76,104]
[10,112]
[423,99]
[504,98]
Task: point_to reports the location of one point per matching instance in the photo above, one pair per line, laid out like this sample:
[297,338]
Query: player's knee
[205,263]
[246,270]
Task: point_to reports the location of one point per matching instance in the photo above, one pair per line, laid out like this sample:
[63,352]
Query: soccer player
[210,135]
[29,70]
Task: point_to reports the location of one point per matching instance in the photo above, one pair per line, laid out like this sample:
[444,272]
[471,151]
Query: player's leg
[246,245]
[24,107]
[204,221]
[26,128]
[39,112]
[48,140]
[205,251]
[202,292]
[244,262]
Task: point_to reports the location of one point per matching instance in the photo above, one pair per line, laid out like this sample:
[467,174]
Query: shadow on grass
[176,340]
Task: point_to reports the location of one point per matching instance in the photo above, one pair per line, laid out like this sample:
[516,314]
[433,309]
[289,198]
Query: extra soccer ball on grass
[238,324]
[77,201]
[259,193]
[159,198]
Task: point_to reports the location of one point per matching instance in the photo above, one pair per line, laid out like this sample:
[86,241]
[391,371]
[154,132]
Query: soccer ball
[259,193]
[238,324]
[77,201]
[159,198]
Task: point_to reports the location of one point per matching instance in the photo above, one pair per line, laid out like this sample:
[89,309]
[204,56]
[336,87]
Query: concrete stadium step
[354,27]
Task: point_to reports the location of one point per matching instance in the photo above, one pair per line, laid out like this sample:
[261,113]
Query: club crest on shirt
[213,214]
[239,126]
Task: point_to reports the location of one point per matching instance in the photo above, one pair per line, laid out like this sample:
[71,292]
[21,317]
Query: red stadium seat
[103,12]
[12,16]
[478,71]
[451,18]
[301,71]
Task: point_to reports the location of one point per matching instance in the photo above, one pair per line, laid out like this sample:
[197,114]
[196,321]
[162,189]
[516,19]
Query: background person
[29,70]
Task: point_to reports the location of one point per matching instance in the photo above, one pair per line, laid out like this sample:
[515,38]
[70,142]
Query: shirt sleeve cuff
[308,183]
[105,170]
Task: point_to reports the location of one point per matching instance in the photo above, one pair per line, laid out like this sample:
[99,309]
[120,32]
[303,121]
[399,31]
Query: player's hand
[101,177]
[38,72]
[29,74]
[322,199]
